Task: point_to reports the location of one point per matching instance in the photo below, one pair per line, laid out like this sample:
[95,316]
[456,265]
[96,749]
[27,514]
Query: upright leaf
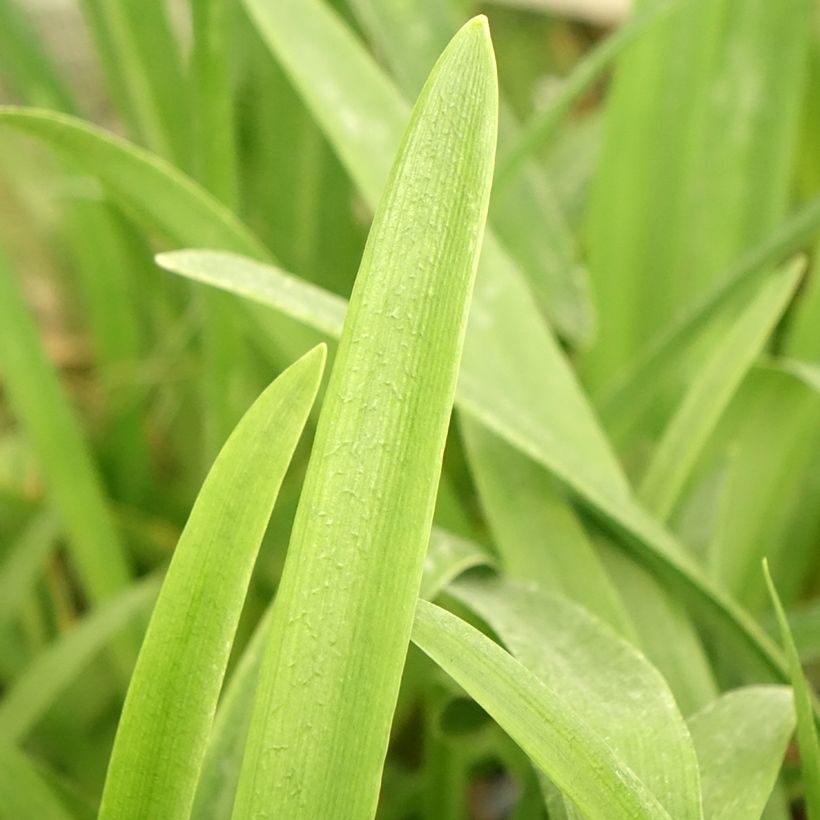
[342,620]
[23,790]
[172,698]
[711,390]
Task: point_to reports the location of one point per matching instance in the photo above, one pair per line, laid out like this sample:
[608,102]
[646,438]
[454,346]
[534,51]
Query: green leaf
[741,739]
[711,390]
[617,692]
[165,722]
[538,536]
[806,727]
[625,402]
[24,562]
[538,718]
[72,481]
[57,666]
[23,790]
[344,610]
[696,162]
[447,557]
[149,188]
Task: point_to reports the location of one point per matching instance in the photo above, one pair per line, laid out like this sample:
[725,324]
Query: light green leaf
[170,704]
[23,791]
[538,536]
[741,739]
[625,402]
[56,667]
[696,164]
[149,188]
[345,604]
[447,557]
[617,692]
[266,284]
[538,718]
[493,404]
[711,390]
[806,726]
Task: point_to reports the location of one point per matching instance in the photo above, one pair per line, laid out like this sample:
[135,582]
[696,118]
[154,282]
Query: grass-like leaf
[57,666]
[711,390]
[345,605]
[806,726]
[172,697]
[151,189]
[602,678]
[71,475]
[24,562]
[741,739]
[23,790]
[537,717]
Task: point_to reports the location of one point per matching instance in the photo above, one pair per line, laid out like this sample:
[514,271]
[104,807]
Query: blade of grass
[24,562]
[172,697]
[54,669]
[71,477]
[696,163]
[711,390]
[618,693]
[741,740]
[537,718]
[806,727]
[540,131]
[625,402]
[24,792]
[344,609]
[141,59]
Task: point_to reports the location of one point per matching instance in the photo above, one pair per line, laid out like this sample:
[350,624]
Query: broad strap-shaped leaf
[24,792]
[741,739]
[345,605]
[806,726]
[538,718]
[56,667]
[602,678]
[172,698]
[711,390]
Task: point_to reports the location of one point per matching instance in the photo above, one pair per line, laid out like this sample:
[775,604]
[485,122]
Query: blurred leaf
[24,793]
[172,697]
[741,739]
[711,390]
[696,164]
[56,667]
[344,609]
[45,413]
